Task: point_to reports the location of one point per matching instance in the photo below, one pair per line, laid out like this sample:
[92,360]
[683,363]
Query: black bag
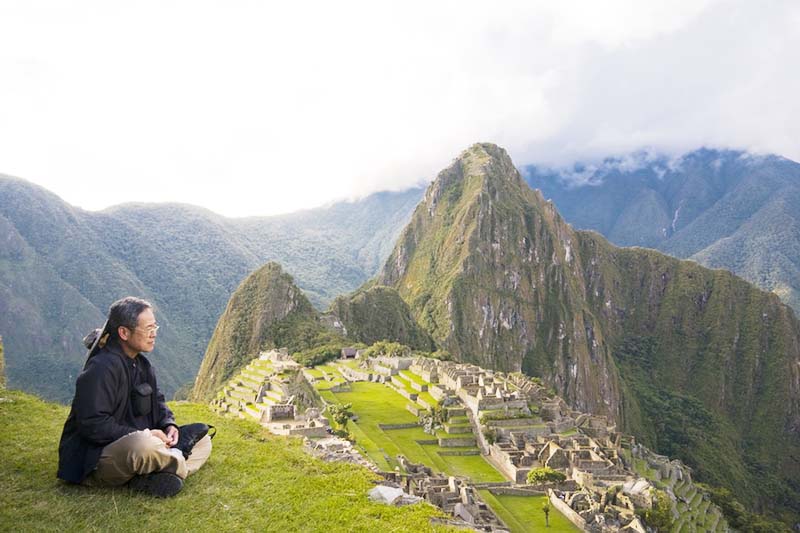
[142,399]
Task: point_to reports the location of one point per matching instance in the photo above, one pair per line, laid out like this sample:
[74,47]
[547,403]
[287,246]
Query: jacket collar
[114,347]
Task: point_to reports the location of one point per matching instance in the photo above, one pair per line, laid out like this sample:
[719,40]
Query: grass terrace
[351,363]
[523,514]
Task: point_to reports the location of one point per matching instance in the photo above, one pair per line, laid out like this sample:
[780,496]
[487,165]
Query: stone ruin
[454,495]
[265,391]
[523,426]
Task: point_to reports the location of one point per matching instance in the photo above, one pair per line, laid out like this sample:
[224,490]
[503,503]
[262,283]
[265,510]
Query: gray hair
[125,312]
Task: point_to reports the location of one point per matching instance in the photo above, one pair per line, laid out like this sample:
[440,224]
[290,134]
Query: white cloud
[254,108]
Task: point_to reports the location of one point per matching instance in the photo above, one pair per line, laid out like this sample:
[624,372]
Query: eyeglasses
[150,330]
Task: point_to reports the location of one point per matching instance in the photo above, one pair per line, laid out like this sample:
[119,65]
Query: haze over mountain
[61,267]
[722,208]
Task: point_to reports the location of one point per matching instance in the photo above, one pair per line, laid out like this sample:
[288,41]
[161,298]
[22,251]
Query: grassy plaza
[524,514]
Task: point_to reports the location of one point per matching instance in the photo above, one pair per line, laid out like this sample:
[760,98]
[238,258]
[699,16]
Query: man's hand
[172,435]
[160,434]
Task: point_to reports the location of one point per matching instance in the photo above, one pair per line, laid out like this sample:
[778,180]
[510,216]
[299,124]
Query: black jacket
[101,411]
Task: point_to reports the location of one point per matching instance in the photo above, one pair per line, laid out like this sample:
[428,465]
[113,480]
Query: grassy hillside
[252,482]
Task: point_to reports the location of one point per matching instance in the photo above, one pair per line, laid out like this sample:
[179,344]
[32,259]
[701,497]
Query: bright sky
[259,108]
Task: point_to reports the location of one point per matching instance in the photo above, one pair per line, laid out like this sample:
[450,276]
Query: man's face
[143,338]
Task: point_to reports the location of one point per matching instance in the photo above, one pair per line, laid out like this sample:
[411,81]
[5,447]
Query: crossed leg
[140,453]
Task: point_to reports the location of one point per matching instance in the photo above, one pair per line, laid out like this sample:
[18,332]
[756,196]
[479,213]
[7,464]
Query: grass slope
[524,513]
[253,482]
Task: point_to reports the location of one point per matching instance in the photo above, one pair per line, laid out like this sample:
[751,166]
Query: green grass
[253,482]
[378,404]
[314,373]
[410,376]
[426,396]
[352,363]
[524,514]
[329,369]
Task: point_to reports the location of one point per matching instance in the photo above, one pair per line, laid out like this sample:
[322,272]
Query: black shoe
[189,435]
[159,484]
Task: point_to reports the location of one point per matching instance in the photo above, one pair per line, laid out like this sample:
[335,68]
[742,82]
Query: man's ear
[123,332]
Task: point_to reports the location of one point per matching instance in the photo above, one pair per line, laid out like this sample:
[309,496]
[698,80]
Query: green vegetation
[318,355]
[374,404]
[387,349]
[545,474]
[679,425]
[498,278]
[659,517]
[738,516]
[524,514]
[341,414]
[253,482]
[376,313]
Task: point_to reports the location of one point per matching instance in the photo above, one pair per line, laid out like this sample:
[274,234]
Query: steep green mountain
[724,209]
[61,268]
[376,313]
[266,311]
[696,362]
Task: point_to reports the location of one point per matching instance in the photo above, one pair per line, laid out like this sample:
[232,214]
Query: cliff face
[266,311]
[695,361]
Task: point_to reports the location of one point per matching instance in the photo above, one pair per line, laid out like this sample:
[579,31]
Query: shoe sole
[159,484]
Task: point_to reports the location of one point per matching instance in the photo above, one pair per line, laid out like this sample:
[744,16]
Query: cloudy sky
[258,108]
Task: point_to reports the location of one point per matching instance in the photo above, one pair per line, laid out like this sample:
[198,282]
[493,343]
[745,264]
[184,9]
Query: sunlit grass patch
[253,482]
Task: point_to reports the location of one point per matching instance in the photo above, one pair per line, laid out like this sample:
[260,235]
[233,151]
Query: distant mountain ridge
[722,208]
[61,267]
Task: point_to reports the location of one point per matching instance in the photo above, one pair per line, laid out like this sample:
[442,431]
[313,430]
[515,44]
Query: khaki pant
[141,453]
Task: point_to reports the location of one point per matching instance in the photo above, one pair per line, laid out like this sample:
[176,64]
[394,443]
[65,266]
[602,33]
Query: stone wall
[280,412]
[567,511]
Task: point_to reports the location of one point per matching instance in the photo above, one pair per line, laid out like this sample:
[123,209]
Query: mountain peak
[263,313]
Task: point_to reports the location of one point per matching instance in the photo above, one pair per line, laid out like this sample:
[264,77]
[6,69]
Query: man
[120,429]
